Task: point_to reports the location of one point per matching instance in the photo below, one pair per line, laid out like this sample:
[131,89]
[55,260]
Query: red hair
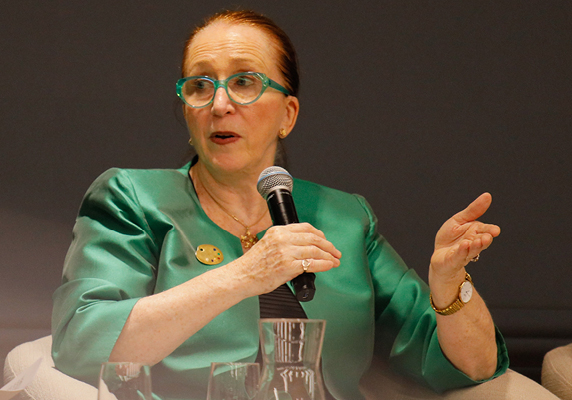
[287,59]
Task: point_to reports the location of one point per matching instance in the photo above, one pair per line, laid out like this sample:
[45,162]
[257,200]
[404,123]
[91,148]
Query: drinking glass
[291,350]
[233,381]
[124,381]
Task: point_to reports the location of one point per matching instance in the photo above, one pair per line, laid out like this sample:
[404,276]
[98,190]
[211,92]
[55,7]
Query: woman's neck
[227,197]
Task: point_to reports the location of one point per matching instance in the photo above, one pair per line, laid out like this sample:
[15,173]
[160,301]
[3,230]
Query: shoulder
[141,186]
[310,188]
[314,199]
[124,180]
[142,177]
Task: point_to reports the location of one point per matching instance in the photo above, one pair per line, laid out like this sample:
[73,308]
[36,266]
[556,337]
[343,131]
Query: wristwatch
[465,294]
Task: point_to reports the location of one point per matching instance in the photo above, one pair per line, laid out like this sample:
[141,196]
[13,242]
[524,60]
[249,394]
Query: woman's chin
[230,164]
[243,167]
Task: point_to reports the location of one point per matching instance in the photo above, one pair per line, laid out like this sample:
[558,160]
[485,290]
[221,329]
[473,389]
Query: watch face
[466,292]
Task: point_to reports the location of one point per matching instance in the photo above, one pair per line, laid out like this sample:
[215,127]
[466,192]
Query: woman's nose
[222,104]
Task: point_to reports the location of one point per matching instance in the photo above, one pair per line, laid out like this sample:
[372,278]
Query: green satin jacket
[136,234]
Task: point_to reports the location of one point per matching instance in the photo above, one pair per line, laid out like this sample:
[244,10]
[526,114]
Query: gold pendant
[209,254]
[248,239]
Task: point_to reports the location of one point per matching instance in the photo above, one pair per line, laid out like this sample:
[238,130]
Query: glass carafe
[291,350]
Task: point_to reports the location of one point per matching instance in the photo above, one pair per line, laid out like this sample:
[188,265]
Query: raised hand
[466,337]
[462,238]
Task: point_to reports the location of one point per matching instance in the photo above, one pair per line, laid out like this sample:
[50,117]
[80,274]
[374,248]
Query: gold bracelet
[457,304]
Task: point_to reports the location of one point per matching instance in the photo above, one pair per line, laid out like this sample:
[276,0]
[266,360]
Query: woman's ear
[291,113]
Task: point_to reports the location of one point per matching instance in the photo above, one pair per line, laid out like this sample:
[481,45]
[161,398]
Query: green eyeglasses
[242,88]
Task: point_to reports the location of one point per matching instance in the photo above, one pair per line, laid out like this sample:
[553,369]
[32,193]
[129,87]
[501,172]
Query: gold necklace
[248,239]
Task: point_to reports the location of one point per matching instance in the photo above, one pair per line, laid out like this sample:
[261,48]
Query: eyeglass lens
[241,89]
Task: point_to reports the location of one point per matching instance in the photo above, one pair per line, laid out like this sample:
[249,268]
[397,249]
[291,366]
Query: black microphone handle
[283,212]
[281,206]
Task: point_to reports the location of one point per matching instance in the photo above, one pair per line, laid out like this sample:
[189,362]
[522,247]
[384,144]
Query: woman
[138,287]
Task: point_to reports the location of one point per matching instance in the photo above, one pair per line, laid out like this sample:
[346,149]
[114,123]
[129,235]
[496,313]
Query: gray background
[418,105]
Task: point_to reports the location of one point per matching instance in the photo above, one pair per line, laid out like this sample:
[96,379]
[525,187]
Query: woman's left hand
[461,239]
[467,337]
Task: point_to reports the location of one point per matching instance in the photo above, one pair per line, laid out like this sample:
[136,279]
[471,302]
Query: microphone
[275,185]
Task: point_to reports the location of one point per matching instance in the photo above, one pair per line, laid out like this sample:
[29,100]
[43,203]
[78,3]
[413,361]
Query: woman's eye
[201,84]
[244,80]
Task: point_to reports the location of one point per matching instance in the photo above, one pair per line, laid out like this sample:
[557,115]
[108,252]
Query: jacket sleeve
[109,266]
[406,326]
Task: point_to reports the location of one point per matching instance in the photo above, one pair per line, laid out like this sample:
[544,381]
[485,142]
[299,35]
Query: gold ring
[476,258]
[305,264]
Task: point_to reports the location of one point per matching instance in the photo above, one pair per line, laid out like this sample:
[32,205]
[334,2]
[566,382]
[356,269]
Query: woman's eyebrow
[240,63]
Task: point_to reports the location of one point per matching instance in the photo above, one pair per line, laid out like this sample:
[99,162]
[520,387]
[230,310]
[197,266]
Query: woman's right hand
[277,258]
[159,323]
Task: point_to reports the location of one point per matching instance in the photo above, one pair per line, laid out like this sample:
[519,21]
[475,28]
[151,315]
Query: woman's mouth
[224,137]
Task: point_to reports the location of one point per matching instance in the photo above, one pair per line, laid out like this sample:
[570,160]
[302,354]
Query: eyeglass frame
[266,83]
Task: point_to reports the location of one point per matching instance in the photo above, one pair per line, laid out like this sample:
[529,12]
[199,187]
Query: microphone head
[273,178]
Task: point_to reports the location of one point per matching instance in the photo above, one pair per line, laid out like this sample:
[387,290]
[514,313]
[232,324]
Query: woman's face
[229,137]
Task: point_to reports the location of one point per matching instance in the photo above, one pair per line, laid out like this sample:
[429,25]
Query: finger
[314,265]
[493,230]
[480,243]
[469,249]
[303,227]
[304,236]
[462,253]
[474,210]
[309,239]
[315,253]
